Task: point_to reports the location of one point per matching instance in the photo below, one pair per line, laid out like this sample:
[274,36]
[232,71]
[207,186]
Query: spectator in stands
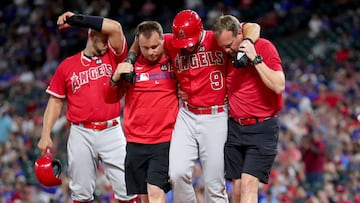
[342,53]
[313,152]
[5,123]
[342,195]
[315,25]
[32,23]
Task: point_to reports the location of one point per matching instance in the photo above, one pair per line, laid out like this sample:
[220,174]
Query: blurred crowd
[319,146]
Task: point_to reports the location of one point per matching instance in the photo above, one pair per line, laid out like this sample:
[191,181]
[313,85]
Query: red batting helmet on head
[45,167]
[186,28]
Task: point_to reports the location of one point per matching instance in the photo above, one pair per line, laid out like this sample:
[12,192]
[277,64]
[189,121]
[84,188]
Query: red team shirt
[151,103]
[248,95]
[81,81]
[202,73]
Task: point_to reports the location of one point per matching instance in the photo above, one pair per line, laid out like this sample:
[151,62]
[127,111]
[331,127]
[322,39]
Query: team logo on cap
[182,34]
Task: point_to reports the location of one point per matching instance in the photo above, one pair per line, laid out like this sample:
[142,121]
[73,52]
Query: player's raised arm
[135,46]
[107,26]
[115,33]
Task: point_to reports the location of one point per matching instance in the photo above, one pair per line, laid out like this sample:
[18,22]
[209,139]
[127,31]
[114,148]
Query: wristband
[113,81]
[250,40]
[93,22]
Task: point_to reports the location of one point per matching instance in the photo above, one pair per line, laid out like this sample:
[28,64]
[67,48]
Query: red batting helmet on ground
[186,28]
[45,167]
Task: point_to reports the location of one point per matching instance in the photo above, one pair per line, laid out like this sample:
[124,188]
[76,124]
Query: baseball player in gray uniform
[201,126]
[95,132]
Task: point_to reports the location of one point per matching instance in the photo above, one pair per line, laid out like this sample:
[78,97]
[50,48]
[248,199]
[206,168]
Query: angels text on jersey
[93,73]
[198,60]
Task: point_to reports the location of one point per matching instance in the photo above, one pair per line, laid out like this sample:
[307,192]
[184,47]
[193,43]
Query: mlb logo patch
[144,77]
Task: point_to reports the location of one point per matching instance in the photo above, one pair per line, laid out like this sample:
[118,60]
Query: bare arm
[135,47]
[115,33]
[116,88]
[274,80]
[252,31]
[52,113]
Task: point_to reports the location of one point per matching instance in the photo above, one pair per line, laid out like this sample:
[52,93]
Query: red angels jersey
[151,103]
[247,94]
[200,74]
[81,80]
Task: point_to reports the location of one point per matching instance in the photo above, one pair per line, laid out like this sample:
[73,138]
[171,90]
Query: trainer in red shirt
[151,108]
[255,83]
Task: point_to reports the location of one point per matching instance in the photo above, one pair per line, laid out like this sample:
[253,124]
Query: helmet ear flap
[57,167]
